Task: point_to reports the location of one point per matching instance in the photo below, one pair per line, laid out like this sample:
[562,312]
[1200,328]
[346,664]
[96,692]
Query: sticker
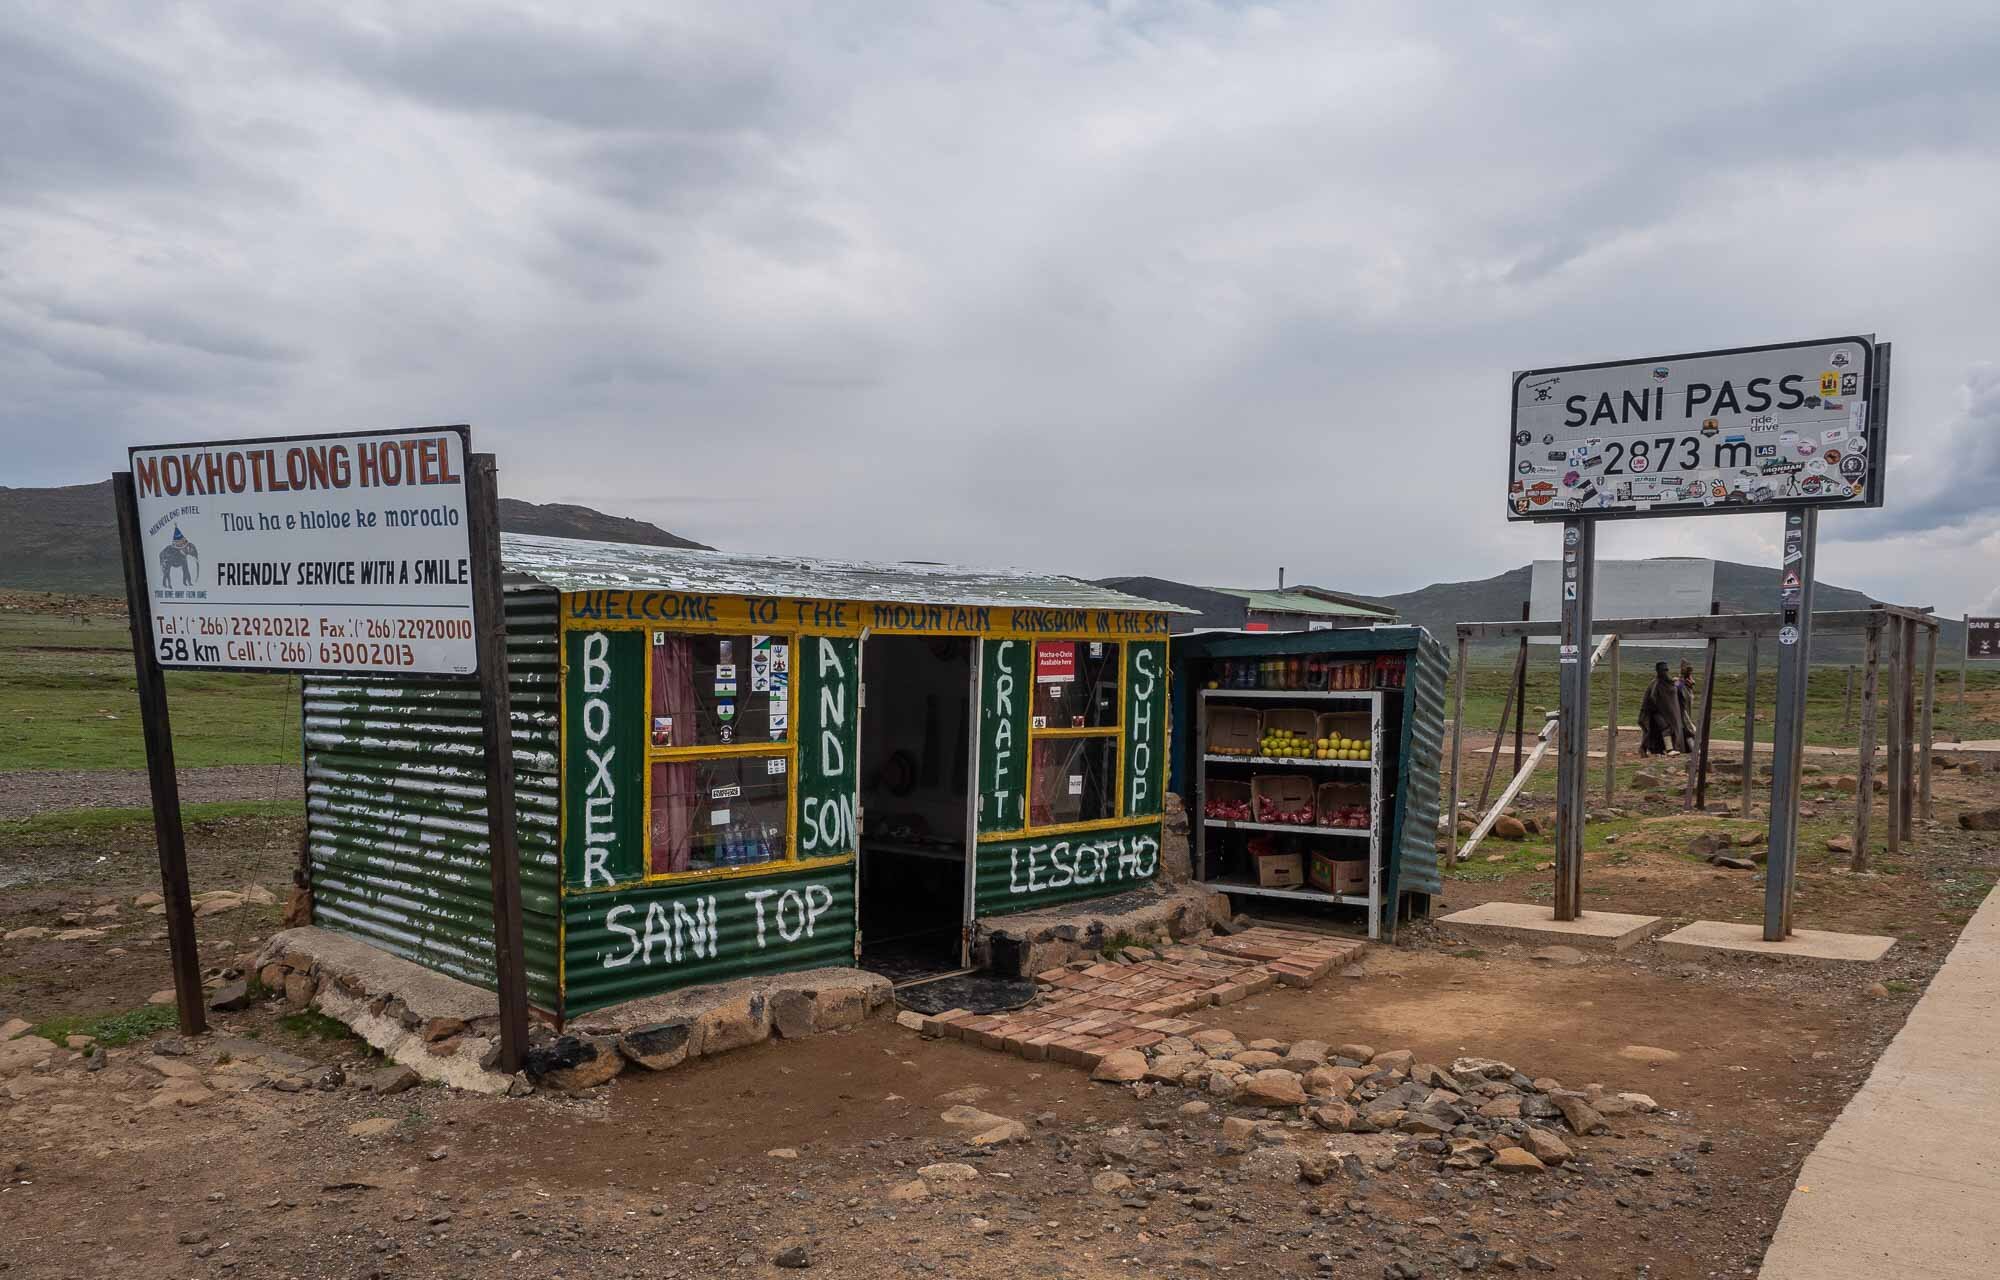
[718,817]
[1659,373]
[725,711]
[729,792]
[1833,457]
[663,731]
[760,664]
[1540,492]
[1076,722]
[1829,383]
[1569,571]
[1544,390]
[1831,403]
[1709,426]
[1857,417]
[1521,504]
[774,767]
[1055,691]
[1859,444]
[1817,466]
[1097,648]
[1570,478]
[1788,635]
[1790,580]
[1767,451]
[1523,438]
[1851,466]
[1763,422]
[780,721]
[1038,722]
[726,734]
[725,688]
[725,651]
[1568,653]
[1569,591]
[1558,455]
[1055,663]
[1839,360]
[1076,784]
[1572,536]
[1548,437]
[1640,463]
[725,671]
[659,638]
[1850,384]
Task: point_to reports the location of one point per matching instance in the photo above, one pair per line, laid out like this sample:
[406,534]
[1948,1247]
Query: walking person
[1661,727]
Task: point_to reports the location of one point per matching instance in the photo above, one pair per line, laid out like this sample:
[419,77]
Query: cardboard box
[1335,798]
[1233,731]
[1281,870]
[1343,876]
[1285,791]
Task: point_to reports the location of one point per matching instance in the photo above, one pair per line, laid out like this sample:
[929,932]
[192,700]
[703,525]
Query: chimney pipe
[1281,577]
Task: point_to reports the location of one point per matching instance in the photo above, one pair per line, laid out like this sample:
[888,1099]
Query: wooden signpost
[359,553]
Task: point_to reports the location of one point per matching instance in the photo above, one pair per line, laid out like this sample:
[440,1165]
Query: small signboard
[1982,639]
[1055,663]
[332,553]
[1714,432]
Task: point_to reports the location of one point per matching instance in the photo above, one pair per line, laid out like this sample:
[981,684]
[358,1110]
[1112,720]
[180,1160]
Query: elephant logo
[177,555]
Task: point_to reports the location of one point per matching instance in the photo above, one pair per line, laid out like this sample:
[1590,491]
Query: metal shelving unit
[1372,834]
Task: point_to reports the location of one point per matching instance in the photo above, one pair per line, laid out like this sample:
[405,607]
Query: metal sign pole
[1573,746]
[1788,718]
[159,734]
[496,717]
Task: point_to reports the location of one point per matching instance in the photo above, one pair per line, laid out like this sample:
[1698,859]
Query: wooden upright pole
[496,723]
[1749,723]
[1924,734]
[1847,703]
[1493,756]
[1892,770]
[1908,695]
[159,734]
[1864,769]
[1520,695]
[1457,735]
[1611,731]
[1707,723]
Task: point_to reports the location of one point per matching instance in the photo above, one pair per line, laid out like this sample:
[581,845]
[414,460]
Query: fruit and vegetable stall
[1311,765]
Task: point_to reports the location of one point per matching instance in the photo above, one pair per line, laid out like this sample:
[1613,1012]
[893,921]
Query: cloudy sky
[1187,289]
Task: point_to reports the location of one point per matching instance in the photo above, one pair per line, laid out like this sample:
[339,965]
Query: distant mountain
[66,539]
[1742,588]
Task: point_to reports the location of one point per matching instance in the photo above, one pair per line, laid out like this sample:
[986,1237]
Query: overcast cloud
[1186,289]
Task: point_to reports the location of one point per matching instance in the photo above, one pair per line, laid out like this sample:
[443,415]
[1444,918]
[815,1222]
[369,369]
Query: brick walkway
[1089,1010]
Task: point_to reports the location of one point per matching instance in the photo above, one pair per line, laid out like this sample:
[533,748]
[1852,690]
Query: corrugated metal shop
[1311,767]
[731,765]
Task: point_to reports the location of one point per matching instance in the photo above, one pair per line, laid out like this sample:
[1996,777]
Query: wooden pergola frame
[1909,732]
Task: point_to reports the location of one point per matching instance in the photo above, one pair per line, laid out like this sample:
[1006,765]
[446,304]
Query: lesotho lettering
[1045,866]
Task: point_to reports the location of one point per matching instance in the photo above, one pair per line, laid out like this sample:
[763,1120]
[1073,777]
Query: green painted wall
[826,670]
[604,792]
[1143,776]
[620,946]
[1022,875]
[1005,682]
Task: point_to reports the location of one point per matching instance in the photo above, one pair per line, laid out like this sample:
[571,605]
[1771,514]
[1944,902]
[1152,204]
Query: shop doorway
[916,796]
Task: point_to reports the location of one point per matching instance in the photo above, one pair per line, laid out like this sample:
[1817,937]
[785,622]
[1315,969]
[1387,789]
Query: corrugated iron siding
[1044,871]
[1414,860]
[396,809]
[626,943]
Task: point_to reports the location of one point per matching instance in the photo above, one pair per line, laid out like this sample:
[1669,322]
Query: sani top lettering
[690,928]
[344,554]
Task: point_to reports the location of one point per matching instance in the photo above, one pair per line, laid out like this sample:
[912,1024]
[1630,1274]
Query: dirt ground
[693,1172]
[26,793]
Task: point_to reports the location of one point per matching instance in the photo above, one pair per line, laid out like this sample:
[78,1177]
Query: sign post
[1982,644]
[1573,728]
[350,554]
[1788,428]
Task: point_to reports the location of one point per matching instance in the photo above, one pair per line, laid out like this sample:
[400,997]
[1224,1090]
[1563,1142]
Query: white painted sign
[343,553]
[1716,431]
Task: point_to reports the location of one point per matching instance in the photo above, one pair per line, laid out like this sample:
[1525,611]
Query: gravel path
[31,791]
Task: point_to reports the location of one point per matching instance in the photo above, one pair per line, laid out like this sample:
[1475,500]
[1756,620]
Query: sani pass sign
[338,553]
[1798,424]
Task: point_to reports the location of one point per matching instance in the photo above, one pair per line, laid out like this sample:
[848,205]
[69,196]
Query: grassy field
[1486,690]
[67,690]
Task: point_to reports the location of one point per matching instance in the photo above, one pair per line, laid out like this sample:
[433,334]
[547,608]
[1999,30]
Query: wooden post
[1864,769]
[1750,722]
[1611,731]
[1493,756]
[1924,734]
[1892,778]
[1707,723]
[496,722]
[157,728]
[1457,734]
[1847,703]
[1520,694]
[1906,694]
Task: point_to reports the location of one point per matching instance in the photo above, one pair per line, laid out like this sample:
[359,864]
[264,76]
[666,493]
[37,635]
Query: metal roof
[574,564]
[1300,602]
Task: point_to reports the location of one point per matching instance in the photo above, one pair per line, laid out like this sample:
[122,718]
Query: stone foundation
[448,1031]
[1017,946]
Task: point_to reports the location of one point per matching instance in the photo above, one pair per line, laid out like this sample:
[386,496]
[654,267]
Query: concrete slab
[1918,1147]
[1705,939]
[1529,922]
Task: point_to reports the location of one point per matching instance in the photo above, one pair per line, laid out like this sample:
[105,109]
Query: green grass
[1486,689]
[314,1025]
[112,1029]
[51,828]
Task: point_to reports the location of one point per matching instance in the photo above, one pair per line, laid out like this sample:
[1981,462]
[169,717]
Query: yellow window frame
[1117,819]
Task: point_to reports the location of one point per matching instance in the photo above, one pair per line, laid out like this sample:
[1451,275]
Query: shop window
[1073,779]
[1076,685]
[719,811]
[713,691]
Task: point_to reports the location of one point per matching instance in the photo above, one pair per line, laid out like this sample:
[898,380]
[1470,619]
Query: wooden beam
[1847,703]
[1749,724]
[1909,697]
[1457,735]
[1924,733]
[1864,769]
[189,998]
[1727,626]
[1892,778]
[1507,708]
[1707,724]
[1611,731]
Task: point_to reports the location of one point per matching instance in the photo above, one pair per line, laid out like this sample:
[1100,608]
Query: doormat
[973,992]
